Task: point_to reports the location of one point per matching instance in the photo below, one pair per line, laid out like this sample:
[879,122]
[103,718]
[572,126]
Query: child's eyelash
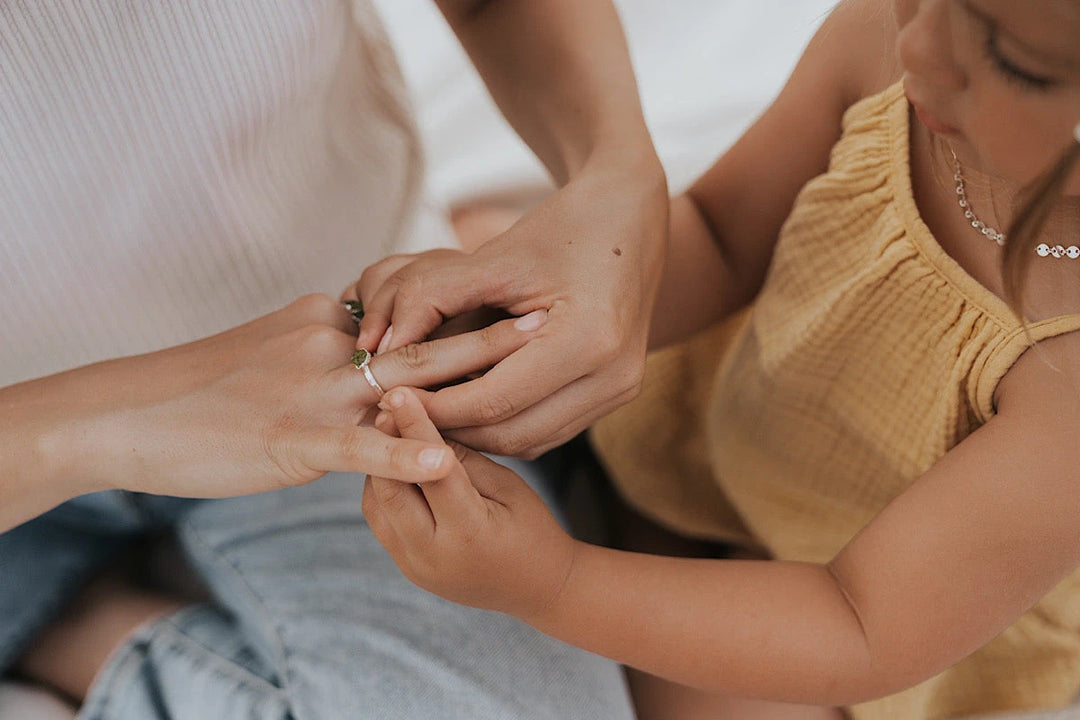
[1010,71]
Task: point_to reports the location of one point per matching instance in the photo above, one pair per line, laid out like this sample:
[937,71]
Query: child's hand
[479,536]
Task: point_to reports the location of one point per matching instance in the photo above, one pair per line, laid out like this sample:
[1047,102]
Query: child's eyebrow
[1041,54]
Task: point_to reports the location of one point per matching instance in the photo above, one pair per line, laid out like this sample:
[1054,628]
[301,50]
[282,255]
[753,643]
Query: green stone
[360,357]
[355,308]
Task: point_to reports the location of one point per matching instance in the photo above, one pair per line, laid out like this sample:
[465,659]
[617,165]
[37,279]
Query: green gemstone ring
[355,308]
[362,360]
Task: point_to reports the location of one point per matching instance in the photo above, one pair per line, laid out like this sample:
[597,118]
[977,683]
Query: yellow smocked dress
[868,354]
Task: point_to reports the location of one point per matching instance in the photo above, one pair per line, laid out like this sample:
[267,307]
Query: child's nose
[926,45]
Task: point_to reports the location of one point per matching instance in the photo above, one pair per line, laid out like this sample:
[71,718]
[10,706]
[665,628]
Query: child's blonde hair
[1037,201]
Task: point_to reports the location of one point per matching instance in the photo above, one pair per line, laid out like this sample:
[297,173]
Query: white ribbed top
[170,169]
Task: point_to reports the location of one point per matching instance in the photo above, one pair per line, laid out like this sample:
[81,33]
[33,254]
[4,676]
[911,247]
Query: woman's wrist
[630,160]
[39,452]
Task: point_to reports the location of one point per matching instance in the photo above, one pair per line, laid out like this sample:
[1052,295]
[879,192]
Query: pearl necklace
[1042,250]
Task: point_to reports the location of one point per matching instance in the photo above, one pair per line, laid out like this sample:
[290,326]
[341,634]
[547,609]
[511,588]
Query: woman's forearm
[39,425]
[774,630]
[62,435]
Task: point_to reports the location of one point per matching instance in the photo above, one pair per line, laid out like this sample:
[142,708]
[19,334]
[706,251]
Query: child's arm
[948,565]
[723,229]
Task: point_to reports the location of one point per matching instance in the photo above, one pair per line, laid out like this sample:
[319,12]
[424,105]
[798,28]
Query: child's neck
[1053,285]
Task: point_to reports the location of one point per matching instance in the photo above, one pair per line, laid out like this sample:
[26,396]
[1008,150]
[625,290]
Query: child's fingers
[485,473]
[384,421]
[409,415]
[453,499]
[399,506]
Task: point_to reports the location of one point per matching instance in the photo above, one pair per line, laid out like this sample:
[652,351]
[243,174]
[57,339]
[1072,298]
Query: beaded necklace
[1042,249]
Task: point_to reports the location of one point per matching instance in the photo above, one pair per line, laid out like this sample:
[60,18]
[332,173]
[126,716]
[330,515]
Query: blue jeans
[310,619]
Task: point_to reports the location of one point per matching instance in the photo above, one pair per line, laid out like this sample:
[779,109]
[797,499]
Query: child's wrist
[551,613]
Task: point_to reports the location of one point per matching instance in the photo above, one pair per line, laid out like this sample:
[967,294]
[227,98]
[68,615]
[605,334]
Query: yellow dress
[868,354]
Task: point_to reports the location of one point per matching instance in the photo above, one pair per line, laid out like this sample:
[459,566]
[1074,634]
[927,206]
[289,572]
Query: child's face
[999,79]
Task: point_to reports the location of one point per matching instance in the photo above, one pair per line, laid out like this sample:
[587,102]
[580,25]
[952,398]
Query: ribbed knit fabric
[868,354]
[170,169]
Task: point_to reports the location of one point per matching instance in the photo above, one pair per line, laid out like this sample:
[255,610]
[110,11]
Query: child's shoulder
[856,46]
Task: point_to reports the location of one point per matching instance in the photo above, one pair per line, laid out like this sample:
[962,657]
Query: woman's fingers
[372,282]
[520,380]
[374,276]
[440,361]
[308,452]
[542,420]
[415,299]
[370,333]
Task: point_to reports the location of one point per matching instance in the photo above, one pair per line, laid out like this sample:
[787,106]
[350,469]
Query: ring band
[362,360]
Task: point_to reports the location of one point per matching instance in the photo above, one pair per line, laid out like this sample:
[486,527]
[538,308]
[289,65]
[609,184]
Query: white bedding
[706,69]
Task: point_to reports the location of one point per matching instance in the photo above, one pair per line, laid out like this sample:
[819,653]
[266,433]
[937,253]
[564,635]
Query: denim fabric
[310,620]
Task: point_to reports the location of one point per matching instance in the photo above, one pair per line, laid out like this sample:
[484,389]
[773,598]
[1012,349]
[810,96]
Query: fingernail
[531,321]
[431,458]
[382,418]
[395,398]
[385,339]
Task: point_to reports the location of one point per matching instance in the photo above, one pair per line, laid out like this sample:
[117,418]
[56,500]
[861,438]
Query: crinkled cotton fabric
[866,356]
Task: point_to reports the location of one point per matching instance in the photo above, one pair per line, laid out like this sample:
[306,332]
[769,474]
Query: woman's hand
[272,403]
[591,255]
[478,536]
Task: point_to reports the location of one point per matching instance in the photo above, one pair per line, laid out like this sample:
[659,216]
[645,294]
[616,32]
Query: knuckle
[280,447]
[532,452]
[606,345]
[349,449]
[321,340]
[469,536]
[415,356]
[374,275]
[512,443]
[393,497]
[317,305]
[410,286]
[494,407]
[556,441]
[631,379]
[494,338]
[630,394]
